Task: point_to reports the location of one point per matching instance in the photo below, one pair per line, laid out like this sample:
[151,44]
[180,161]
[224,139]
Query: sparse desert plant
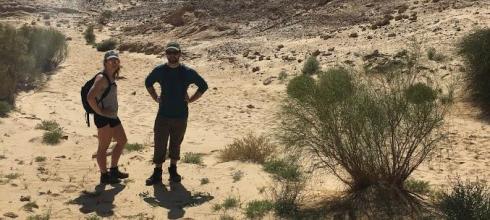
[52,137]
[192,158]
[40,159]
[230,202]
[475,48]
[466,200]
[204,181]
[311,66]
[133,147]
[237,175]
[257,209]
[45,216]
[284,169]
[432,54]
[106,45]
[30,206]
[5,108]
[12,176]
[104,17]
[48,125]
[250,148]
[283,75]
[89,35]
[370,132]
[417,186]
[92,217]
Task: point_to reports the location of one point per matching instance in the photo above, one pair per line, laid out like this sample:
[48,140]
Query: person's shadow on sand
[176,199]
[99,201]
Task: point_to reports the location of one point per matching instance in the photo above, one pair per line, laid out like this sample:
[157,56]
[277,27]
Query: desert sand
[237,102]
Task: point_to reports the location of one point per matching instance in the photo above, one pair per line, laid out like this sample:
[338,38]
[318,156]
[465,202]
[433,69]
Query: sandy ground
[237,102]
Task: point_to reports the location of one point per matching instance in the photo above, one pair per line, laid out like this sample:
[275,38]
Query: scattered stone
[255,69]
[325,37]
[61,157]
[69,38]
[279,47]
[392,35]
[331,49]
[133,93]
[250,106]
[353,35]
[25,198]
[369,37]
[268,80]
[316,53]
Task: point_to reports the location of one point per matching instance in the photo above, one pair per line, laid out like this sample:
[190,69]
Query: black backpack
[84,92]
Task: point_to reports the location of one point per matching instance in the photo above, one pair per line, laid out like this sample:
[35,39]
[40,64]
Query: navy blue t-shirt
[174,83]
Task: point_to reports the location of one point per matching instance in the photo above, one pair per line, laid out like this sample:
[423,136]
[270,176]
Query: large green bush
[26,53]
[370,132]
[475,48]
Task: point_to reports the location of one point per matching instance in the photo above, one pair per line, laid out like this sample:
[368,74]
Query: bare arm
[96,90]
[195,97]
[153,93]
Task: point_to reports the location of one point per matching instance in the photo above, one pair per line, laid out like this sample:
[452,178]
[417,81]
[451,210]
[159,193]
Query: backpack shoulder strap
[108,89]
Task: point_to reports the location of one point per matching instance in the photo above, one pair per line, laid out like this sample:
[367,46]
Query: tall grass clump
[311,66]
[89,35]
[250,148]
[475,48]
[26,53]
[466,200]
[371,132]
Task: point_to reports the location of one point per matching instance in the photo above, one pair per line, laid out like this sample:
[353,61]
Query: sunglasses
[172,53]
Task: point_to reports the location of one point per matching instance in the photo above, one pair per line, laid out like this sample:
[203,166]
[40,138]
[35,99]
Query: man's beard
[173,60]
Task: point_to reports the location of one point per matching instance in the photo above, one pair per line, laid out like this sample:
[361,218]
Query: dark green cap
[173,46]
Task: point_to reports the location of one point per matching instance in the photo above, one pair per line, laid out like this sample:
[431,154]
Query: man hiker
[171,121]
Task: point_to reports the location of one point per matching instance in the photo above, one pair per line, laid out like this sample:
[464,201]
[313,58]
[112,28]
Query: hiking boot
[107,178]
[120,175]
[156,177]
[174,176]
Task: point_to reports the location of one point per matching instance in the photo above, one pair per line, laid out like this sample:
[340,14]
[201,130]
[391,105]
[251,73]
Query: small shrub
[468,201]
[105,17]
[311,66]
[216,207]
[12,176]
[52,137]
[30,206]
[192,158]
[133,147]
[283,75]
[204,181]
[92,217]
[106,45]
[89,35]
[417,186]
[237,175]
[46,216]
[226,217]
[285,169]
[248,149]
[420,93]
[5,108]
[40,159]
[432,54]
[230,203]
[48,125]
[257,209]
[475,48]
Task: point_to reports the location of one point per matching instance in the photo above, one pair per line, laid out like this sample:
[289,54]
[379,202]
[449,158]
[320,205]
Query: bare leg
[121,140]
[104,136]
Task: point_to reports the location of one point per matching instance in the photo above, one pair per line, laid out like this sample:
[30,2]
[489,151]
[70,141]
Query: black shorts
[101,121]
